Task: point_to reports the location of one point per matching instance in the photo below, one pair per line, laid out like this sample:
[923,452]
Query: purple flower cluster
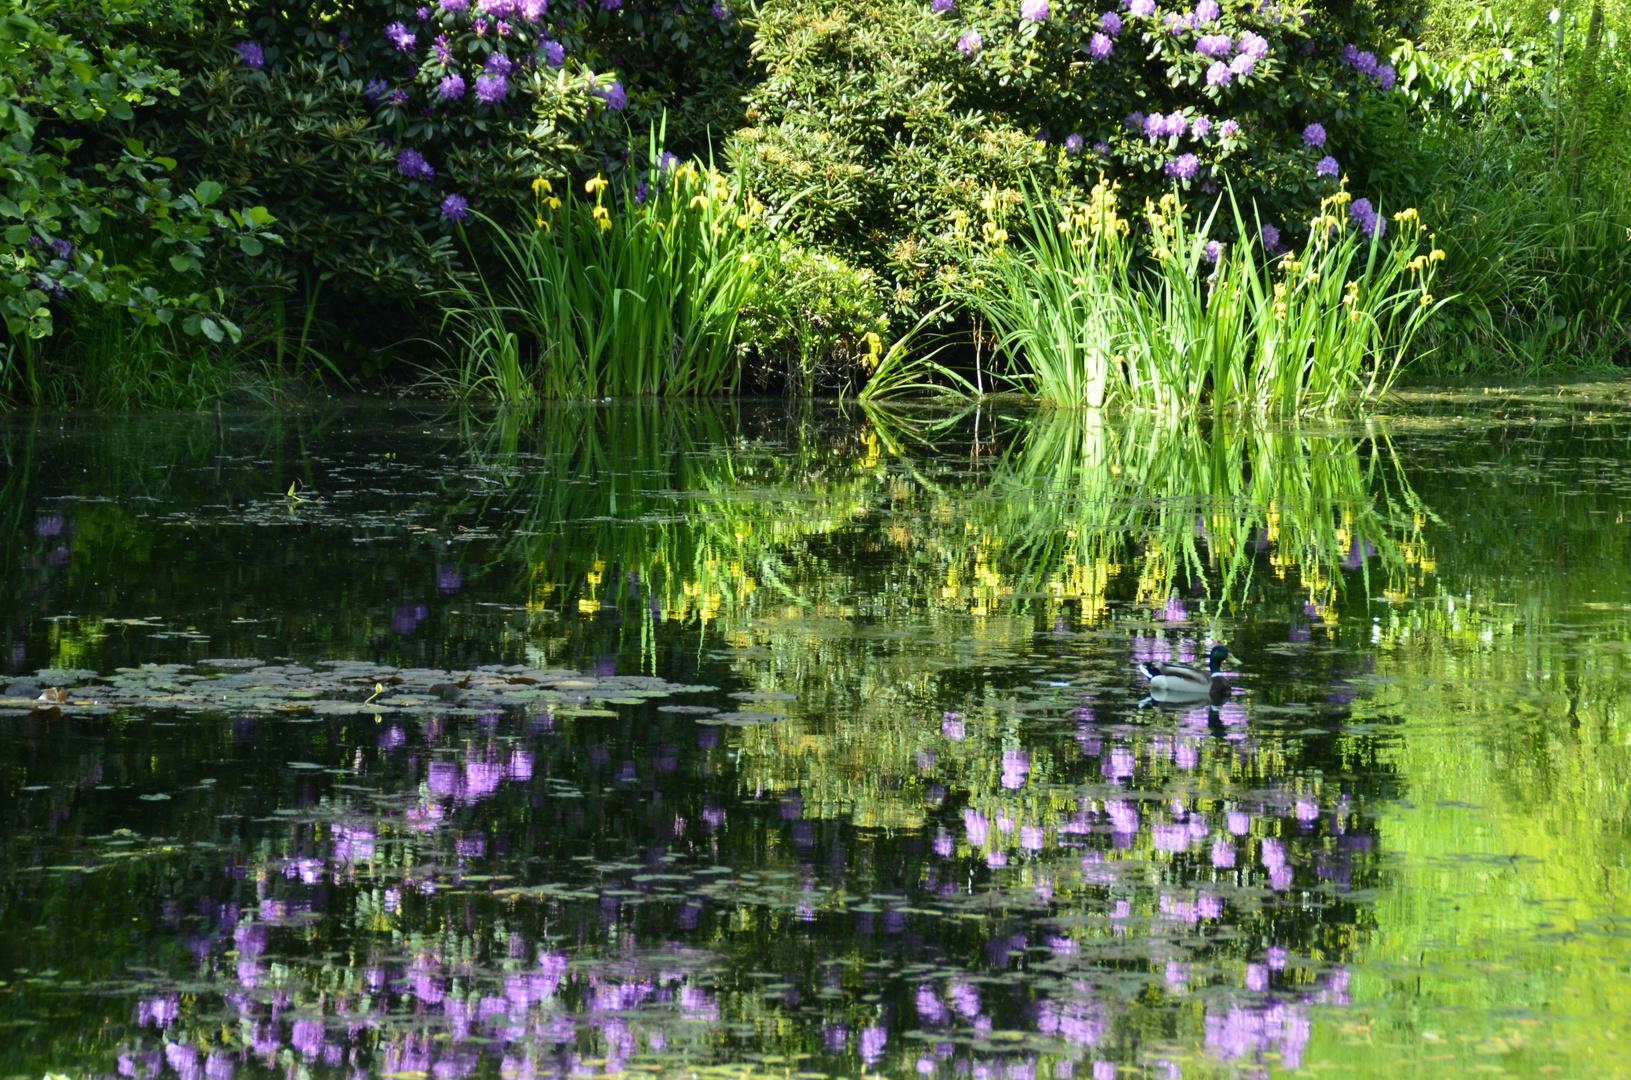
[491,88]
[1212,250]
[1199,126]
[1314,135]
[940,6]
[252,55]
[1254,45]
[1073,144]
[1366,64]
[1110,23]
[1099,46]
[1177,24]
[1327,166]
[401,37]
[1207,11]
[498,64]
[552,53]
[1271,240]
[451,88]
[374,89]
[970,43]
[1183,167]
[1214,45]
[721,12]
[453,7]
[615,97]
[412,165]
[1218,74]
[1370,222]
[455,208]
[1229,129]
[1034,10]
[1157,126]
[1141,9]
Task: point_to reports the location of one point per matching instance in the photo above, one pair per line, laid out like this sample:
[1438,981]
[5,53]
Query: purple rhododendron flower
[1155,126]
[969,44]
[1365,63]
[720,12]
[1327,166]
[1207,11]
[1044,134]
[1370,222]
[455,208]
[553,53]
[1034,10]
[451,88]
[1212,250]
[1142,9]
[1350,54]
[411,164]
[491,89]
[422,14]
[1073,144]
[453,6]
[1177,24]
[1177,124]
[498,64]
[1214,45]
[63,248]
[1218,74]
[444,49]
[1110,23]
[667,161]
[1199,126]
[532,10]
[1242,65]
[1099,46]
[1314,135]
[1229,129]
[615,97]
[401,37]
[941,5]
[610,5]
[1183,166]
[398,98]
[374,89]
[252,55]
[1134,121]
[1254,45]
[1386,77]
[1271,238]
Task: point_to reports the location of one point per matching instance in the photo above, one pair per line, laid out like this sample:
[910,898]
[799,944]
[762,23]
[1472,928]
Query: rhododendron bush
[876,120]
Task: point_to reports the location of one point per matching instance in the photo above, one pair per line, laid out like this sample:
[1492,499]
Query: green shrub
[814,320]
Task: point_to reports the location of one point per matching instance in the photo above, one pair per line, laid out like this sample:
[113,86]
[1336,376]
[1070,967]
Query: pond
[801,741]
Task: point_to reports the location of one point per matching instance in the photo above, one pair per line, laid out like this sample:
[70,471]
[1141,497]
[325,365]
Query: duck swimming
[1179,683]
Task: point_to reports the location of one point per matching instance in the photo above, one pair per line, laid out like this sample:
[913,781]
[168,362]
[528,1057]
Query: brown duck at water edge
[1176,683]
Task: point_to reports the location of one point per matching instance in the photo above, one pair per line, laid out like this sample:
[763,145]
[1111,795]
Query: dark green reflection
[908,813]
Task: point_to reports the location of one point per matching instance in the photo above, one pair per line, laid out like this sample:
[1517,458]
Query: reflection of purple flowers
[448,578]
[1015,764]
[405,618]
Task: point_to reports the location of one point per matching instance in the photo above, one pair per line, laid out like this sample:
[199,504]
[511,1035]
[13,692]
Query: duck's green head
[1219,654]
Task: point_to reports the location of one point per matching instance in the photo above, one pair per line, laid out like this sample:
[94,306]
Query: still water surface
[808,741]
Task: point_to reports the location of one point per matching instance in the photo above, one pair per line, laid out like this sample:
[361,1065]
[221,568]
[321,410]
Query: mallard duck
[1177,682]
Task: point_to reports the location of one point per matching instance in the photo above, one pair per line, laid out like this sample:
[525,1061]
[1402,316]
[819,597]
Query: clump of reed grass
[1091,311]
[631,292]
